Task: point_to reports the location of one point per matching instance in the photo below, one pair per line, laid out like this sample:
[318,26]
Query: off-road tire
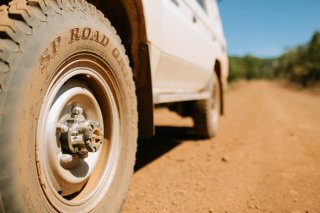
[41,42]
[206,112]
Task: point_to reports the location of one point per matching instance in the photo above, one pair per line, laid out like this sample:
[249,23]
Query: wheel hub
[77,135]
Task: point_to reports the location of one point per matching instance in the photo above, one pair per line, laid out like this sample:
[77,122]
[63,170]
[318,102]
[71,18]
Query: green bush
[300,65]
[250,67]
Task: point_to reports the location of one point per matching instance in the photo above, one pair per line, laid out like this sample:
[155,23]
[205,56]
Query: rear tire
[56,55]
[206,113]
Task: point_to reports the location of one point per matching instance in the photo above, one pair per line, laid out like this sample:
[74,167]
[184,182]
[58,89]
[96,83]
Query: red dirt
[265,158]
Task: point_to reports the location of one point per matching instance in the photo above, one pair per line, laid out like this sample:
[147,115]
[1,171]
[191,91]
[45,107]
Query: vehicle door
[187,55]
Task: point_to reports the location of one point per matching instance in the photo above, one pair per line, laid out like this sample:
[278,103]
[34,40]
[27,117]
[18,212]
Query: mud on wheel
[68,109]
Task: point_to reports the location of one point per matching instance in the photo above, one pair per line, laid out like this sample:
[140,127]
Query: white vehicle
[78,85]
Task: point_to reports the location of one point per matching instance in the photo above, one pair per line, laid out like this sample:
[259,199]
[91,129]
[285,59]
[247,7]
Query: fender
[127,16]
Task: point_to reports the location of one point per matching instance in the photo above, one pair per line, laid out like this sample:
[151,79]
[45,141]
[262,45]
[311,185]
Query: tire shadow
[165,139]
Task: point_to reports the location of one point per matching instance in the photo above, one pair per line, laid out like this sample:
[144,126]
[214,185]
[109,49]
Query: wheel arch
[127,17]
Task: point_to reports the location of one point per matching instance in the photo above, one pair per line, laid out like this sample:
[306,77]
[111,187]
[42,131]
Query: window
[202,3]
[175,2]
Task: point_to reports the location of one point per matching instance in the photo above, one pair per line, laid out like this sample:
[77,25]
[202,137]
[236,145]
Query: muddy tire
[206,113]
[64,80]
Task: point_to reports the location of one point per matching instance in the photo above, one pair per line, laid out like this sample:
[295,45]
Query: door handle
[194,19]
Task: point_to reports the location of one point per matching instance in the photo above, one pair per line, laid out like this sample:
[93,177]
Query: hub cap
[77,135]
[78,143]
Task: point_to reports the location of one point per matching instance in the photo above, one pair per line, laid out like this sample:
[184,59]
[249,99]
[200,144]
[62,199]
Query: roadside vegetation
[300,65]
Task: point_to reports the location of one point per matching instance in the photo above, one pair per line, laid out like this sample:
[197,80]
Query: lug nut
[65,158]
[61,128]
[77,110]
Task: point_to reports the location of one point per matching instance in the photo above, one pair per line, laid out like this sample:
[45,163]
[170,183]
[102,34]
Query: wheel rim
[67,180]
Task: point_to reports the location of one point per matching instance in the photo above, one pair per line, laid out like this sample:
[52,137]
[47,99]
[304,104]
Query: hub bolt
[77,110]
[61,128]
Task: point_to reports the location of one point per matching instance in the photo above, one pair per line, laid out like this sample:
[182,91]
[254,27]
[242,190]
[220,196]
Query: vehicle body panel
[185,42]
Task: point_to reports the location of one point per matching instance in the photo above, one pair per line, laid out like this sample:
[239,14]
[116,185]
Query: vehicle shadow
[165,139]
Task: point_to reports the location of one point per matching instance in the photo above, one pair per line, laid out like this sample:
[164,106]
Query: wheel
[68,109]
[206,113]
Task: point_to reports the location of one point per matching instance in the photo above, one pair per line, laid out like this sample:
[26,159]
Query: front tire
[57,56]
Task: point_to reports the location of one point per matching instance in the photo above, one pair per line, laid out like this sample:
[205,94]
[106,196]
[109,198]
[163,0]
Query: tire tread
[20,18]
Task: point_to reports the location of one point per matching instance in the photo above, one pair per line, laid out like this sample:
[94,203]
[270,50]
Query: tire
[68,124]
[206,113]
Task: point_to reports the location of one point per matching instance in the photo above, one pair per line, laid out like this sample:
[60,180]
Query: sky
[266,28]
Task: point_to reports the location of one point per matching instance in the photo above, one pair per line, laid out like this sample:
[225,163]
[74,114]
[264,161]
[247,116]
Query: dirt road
[265,158]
